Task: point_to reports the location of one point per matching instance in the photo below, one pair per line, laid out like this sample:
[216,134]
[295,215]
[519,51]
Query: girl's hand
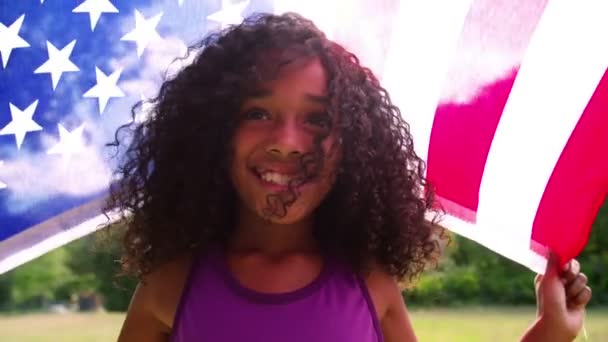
[561,295]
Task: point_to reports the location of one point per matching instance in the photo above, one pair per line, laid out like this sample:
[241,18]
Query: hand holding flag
[562,295]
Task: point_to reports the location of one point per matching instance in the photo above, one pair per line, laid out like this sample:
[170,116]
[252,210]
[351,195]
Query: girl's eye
[256,114]
[321,120]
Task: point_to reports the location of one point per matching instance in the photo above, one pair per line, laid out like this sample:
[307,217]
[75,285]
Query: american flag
[507,101]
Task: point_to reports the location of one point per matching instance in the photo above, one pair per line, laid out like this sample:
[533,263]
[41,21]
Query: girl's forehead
[270,63]
[300,74]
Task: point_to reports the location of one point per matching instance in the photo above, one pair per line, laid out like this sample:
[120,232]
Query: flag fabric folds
[507,101]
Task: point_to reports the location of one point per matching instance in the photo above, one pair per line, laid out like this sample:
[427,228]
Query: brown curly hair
[174,187]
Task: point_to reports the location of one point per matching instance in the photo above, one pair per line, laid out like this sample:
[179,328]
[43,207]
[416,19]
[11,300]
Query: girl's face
[276,129]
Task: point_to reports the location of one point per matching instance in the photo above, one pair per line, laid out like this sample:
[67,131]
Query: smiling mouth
[280,180]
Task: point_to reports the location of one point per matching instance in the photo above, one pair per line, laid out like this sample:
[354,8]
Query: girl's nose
[288,141]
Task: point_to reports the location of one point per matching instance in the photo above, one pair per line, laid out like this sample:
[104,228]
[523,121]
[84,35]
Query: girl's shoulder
[164,287]
[154,302]
[382,288]
[385,293]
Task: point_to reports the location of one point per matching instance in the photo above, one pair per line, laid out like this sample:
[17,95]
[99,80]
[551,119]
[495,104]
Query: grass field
[470,325]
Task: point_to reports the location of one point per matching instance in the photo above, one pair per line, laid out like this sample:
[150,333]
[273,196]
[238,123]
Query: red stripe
[459,146]
[462,134]
[579,183]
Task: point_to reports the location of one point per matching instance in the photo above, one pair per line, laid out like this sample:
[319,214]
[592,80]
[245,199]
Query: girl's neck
[254,234]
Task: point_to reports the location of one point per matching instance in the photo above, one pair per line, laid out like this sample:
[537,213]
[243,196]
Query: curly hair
[174,187]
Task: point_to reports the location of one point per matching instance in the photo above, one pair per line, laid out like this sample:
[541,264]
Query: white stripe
[423,43]
[54,241]
[561,69]
[500,242]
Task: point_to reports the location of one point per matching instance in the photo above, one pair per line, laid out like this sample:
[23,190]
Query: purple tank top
[215,307]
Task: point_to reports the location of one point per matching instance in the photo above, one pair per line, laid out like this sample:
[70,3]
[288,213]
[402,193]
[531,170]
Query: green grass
[94,327]
[493,324]
[470,325]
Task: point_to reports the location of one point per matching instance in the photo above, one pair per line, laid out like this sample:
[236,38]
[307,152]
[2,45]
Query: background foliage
[468,275]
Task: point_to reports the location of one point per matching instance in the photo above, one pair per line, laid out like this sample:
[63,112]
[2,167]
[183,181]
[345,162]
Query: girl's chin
[292,216]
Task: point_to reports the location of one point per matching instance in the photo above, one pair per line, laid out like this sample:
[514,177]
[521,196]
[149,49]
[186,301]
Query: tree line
[468,274]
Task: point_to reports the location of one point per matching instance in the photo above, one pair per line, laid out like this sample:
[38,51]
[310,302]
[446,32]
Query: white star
[230,14]
[58,63]
[9,39]
[22,122]
[144,32]
[2,185]
[105,88]
[95,8]
[70,143]
[180,2]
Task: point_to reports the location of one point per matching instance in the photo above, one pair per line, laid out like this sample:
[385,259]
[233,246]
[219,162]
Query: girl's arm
[396,325]
[141,323]
[390,308]
[154,303]
[562,296]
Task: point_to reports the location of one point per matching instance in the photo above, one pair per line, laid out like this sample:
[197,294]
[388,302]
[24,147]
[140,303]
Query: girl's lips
[283,170]
[274,186]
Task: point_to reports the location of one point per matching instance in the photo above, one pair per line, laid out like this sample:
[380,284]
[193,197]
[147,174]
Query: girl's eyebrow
[321,99]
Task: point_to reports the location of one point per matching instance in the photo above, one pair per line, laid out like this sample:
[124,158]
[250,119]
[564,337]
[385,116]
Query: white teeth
[276,178]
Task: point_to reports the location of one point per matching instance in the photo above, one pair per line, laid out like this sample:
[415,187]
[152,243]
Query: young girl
[275,195]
